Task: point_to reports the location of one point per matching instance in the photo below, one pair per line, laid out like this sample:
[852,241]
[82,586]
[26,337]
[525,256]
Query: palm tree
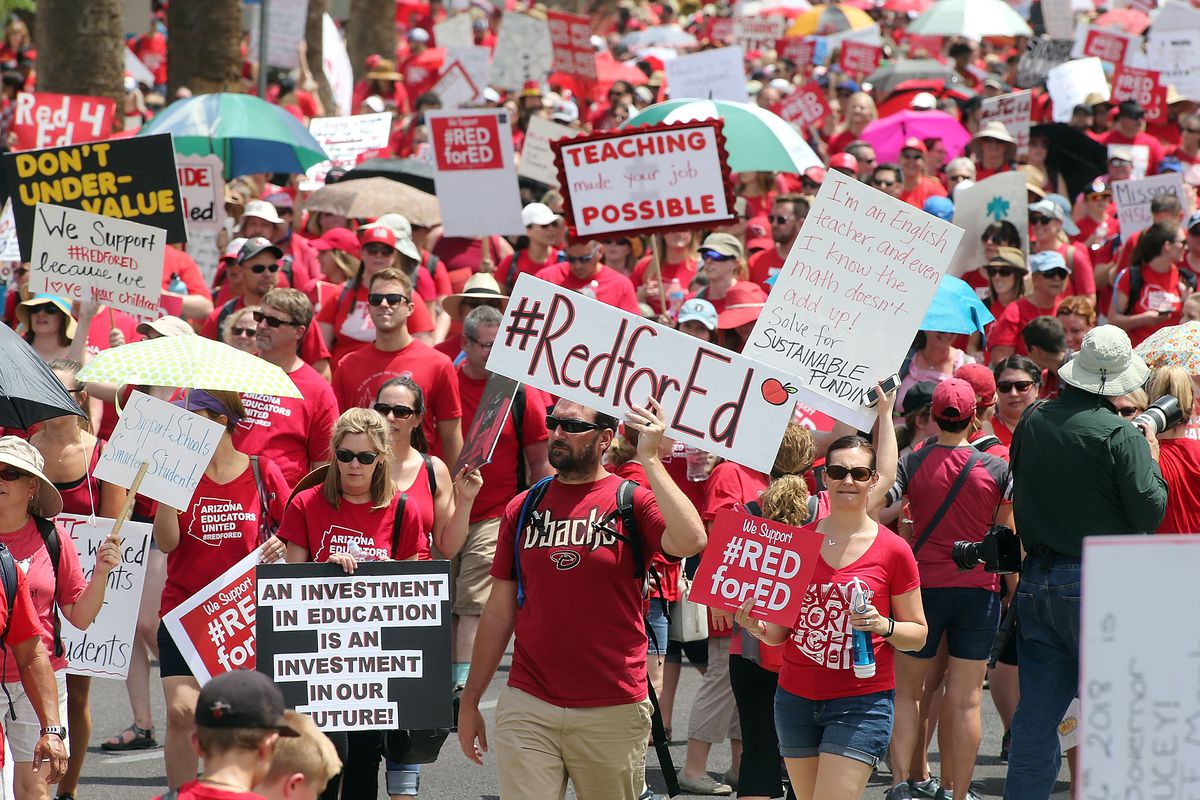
[81,49]
[371,30]
[205,54]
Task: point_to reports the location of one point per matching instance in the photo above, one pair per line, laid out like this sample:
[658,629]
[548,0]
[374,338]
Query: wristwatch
[56,730]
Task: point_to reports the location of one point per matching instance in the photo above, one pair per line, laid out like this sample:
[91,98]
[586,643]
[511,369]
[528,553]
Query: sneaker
[650,795]
[901,791]
[945,794]
[926,788]
[705,784]
[731,777]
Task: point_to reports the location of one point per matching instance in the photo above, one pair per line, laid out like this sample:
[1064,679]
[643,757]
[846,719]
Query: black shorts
[171,663]
[968,617]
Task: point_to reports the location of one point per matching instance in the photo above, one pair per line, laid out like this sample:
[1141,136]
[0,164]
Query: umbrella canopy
[374,197]
[1176,346]
[411,171]
[249,135]
[826,19]
[789,9]
[1076,156]
[189,362]
[885,79]
[757,140]
[902,96]
[29,391]
[608,72]
[659,36]
[1130,20]
[907,6]
[888,134]
[973,18]
[956,309]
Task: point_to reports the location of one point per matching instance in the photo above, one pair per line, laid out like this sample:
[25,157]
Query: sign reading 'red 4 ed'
[645,179]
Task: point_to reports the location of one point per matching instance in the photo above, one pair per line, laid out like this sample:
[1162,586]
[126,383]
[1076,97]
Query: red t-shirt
[195,790]
[1160,291]
[1007,330]
[1082,279]
[609,286]
[312,346]
[1153,146]
[421,499]
[818,663]
[23,620]
[684,270]
[580,634]
[312,523]
[507,275]
[177,262]
[926,188]
[1179,460]
[352,324]
[30,553]
[731,485]
[292,432]
[220,528]
[676,465]
[763,265]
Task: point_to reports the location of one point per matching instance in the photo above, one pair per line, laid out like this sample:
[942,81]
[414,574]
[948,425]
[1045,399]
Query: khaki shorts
[472,566]
[24,731]
[538,746]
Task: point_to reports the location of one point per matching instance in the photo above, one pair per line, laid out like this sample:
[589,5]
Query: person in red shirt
[727,273]
[262,219]
[678,262]
[787,216]
[1049,275]
[1179,455]
[1149,295]
[1100,215]
[583,271]
[1129,129]
[994,149]
[180,272]
[1047,221]
[860,112]
[916,187]
[545,230]
[1018,382]
[1188,150]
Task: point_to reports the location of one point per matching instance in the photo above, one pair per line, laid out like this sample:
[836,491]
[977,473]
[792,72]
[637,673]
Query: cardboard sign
[455,88]
[749,556]
[1000,197]
[285,26]
[1013,110]
[1106,44]
[347,138]
[124,178]
[537,156]
[41,119]
[87,257]
[718,74]
[202,187]
[571,39]
[859,58]
[1042,56]
[1143,86]
[10,248]
[1133,200]
[798,50]
[494,408]
[176,443]
[1058,18]
[1070,84]
[591,353]
[454,30]
[473,171]
[1176,54]
[214,628]
[757,32]
[646,179]
[104,649]
[368,651]
[804,107]
[852,293]
[523,51]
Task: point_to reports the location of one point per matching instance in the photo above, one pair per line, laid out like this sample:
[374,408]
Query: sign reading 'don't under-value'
[473,172]
[645,179]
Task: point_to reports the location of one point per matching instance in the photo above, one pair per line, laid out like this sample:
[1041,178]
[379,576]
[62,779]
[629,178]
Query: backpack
[8,577]
[267,527]
[49,535]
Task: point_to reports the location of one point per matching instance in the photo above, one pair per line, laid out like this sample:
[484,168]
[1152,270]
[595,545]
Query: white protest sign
[85,257]
[1013,110]
[758,32]
[604,358]
[202,187]
[204,247]
[537,158]
[1000,197]
[1176,55]
[1133,200]
[104,650]
[138,69]
[335,63]
[1070,83]
[476,63]
[176,444]
[473,172]
[10,248]
[454,30]
[851,295]
[1058,19]
[285,27]
[455,88]
[646,179]
[523,51]
[718,74]
[346,138]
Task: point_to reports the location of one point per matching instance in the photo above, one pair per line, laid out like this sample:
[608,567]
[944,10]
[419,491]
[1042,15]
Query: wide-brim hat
[25,308]
[384,70]
[738,314]
[995,130]
[479,286]
[18,453]
[1106,364]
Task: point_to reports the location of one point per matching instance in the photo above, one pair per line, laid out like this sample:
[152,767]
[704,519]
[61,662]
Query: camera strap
[946,503]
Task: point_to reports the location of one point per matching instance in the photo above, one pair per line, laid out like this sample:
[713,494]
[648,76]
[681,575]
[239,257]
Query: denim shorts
[968,617]
[656,621]
[854,727]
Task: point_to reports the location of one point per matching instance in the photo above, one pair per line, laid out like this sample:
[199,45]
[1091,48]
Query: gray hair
[482,316]
[963,163]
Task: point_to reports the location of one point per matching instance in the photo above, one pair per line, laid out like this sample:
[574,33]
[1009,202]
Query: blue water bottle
[864,650]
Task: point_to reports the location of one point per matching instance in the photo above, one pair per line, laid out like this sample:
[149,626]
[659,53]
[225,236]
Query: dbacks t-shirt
[818,663]
[312,523]
[608,286]
[221,526]
[581,635]
[293,432]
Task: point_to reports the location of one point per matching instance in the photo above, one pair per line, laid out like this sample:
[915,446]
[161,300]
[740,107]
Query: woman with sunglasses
[834,726]
[723,259]
[1005,273]
[1178,454]
[996,235]
[1132,404]
[1018,380]
[1149,295]
[47,324]
[239,330]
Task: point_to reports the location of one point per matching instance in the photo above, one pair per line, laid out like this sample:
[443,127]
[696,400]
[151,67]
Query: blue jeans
[1047,603]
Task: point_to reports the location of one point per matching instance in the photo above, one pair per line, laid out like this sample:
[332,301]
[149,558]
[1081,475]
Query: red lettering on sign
[804,107]
[468,142]
[1105,46]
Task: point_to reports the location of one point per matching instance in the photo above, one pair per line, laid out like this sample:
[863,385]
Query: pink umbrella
[887,135]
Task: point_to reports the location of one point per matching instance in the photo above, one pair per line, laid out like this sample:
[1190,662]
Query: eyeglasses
[366,457]
[1058,273]
[259,269]
[246,331]
[837,472]
[1004,387]
[19,271]
[1129,411]
[10,474]
[393,299]
[46,308]
[272,322]
[1099,196]
[571,425]
[912,155]
[480,344]
[713,255]
[998,240]
[399,412]
[1038,219]
[1003,272]
[955,178]
[882,183]
[780,219]
[378,249]
[581,259]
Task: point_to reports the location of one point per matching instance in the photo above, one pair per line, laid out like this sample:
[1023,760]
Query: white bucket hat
[1106,364]
[18,453]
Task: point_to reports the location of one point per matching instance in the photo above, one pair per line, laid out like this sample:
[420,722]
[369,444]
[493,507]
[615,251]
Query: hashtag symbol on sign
[526,322]
[732,551]
[76,252]
[216,631]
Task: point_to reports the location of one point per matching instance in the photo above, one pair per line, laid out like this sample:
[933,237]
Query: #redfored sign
[798,50]
[749,557]
[804,107]
[571,38]
[467,141]
[1143,86]
[41,119]
[645,179]
[474,173]
[859,57]
[1105,45]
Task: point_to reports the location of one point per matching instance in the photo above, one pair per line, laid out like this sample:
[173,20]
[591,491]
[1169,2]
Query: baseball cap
[1119,153]
[166,326]
[843,161]
[233,248]
[1047,208]
[1013,257]
[940,207]
[1046,261]
[242,698]
[263,210]
[701,311]
[418,35]
[982,381]
[724,243]
[815,174]
[538,214]
[1193,220]
[1131,109]
[337,239]
[918,396]
[953,400]
[378,235]
[259,244]
[913,143]
[923,101]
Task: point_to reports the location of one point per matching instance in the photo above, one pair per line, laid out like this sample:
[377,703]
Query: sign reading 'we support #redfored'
[466,142]
[1142,86]
[474,173]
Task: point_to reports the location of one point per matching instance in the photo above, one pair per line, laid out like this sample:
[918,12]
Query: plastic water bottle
[176,284]
[864,651]
[675,296]
[590,289]
[697,464]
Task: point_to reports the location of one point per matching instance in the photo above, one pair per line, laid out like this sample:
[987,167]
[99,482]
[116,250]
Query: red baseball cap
[378,235]
[913,143]
[843,161]
[982,381]
[337,239]
[953,400]
[815,174]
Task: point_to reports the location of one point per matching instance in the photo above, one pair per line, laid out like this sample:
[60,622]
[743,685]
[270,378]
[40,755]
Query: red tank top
[420,498]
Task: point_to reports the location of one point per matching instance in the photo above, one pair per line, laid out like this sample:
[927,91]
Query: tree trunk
[371,30]
[314,35]
[81,49]
[205,54]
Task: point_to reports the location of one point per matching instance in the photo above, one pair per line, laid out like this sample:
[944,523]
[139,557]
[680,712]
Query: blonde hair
[368,422]
[786,498]
[311,753]
[231,321]
[1138,398]
[1176,382]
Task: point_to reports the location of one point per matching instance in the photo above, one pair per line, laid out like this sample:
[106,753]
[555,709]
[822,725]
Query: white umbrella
[971,18]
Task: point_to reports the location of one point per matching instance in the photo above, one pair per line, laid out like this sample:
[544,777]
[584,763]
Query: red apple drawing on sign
[776,392]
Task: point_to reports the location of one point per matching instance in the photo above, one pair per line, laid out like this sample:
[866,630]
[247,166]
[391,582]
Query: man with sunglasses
[917,187]
[582,270]
[576,703]
[291,431]
[1049,274]
[886,178]
[864,157]
[788,213]
[1047,220]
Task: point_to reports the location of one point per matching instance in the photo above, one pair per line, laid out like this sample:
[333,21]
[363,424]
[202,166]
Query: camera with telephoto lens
[999,551]
[1162,415]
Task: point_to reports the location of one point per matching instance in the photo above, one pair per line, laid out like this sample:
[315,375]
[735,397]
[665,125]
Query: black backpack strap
[223,315]
[516,413]
[629,525]
[948,501]
[1136,281]
[527,516]
[429,474]
[50,538]
[812,505]
[431,264]
[658,733]
[398,523]
[984,442]
[8,576]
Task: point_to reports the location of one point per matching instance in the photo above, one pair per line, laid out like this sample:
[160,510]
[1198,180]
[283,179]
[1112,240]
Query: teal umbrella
[971,18]
[249,135]
[757,140]
[956,308]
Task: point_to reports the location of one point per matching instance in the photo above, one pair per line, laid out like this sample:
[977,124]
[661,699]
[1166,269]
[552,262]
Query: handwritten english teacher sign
[646,179]
[854,288]
[591,353]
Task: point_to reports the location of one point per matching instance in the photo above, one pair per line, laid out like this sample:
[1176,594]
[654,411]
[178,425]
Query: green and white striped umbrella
[757,140]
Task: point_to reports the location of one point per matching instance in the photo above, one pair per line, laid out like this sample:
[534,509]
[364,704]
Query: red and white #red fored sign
[1105,45]
[653,178]
[1143,86]
[804,107]
[42,119]
[474,173]
[859,57]
[571,38]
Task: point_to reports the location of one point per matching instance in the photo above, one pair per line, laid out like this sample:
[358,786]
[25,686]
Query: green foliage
[7,7]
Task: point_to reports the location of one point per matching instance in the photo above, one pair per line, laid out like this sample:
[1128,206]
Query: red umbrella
[903,94]
[1127,19]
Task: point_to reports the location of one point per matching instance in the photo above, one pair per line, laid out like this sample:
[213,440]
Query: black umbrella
[29,391]
[894,73]
[414,172]
[1079,158]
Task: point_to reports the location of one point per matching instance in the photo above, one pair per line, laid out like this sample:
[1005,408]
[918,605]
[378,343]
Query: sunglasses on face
[713,255]
[581,259]
[271,322]
[780,219]
[243,331]
[378,250]
[1038,219]
[996,240]
[1058,273]
[912,155]
[399,412]
[883,184]
[366,457]
[837,472]
[392,299]
[19,271]
[1191,130]
[571,425]
[46,308]
[259,269]
[955,178]
[1004,387]
[1099,196]
[1003,272]
[1129,411]
[480,344]
[10,474]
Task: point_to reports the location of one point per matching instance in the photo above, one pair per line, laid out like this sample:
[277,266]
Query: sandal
[132,738]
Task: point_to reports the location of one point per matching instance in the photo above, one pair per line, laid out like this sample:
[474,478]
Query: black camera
[999,551]
[1162,415]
